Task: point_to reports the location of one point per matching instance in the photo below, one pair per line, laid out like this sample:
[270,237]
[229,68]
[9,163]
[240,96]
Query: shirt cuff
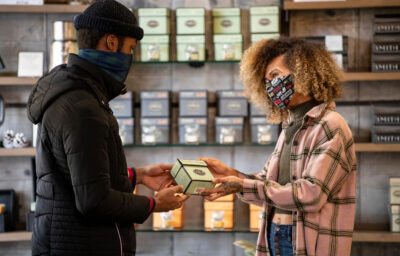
[132,175]
[152,204]
[253,190]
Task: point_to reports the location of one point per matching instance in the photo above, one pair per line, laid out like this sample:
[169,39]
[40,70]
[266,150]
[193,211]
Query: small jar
[217,220]
[264,135]
[167,220]
[149,135]
[192,134]
[153,52]
[227,135]
[192,53]
[227,52]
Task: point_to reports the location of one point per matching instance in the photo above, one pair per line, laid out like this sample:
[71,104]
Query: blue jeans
[280,239]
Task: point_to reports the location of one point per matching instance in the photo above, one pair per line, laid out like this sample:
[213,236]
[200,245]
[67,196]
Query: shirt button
[294,177]
[276,245]
[276,239]
[295,143]
[277,251]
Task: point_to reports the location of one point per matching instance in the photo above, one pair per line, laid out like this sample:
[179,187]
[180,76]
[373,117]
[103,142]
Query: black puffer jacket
[85,204]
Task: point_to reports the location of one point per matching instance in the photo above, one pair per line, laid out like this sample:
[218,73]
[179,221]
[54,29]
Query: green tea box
[258,37]
[226,20]
[190,21]
[154,48]
[193,175]
[154,21]
[228,47]
[394,190]
[264,19]
[190,48]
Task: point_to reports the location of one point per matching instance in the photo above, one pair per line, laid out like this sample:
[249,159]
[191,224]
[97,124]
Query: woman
[308,185]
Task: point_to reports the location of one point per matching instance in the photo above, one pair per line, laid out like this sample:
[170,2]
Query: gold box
[218,215]
[169,220]
[228,198]
[256,213]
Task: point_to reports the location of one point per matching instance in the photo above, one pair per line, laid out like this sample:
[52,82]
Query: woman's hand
[218,168]
[229,185]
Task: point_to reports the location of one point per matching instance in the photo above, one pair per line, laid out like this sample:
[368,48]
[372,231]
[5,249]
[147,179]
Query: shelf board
[360,147]
[371,76]
[17,236]
[291,5]
[46,8]
[17,81]
[358,236]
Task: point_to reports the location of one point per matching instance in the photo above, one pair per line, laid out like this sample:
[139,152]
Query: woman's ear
[112,43]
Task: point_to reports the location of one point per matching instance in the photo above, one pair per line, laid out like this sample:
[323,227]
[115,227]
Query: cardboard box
[155,130]
[385,115]
[122,106]
[258,37]
[264,19]
[154,21]
[386,25]
[171,220]
[256,215]
[229,130]
[228,198]
[191,48]
[254,111]
[232,103]
[386,44]
[190,21]
[154,48]
[333,43]
[228,47]
[155,103]
[192,130]
[226,20]
[385,134]
[263,132]
[385,63]
[395,218]
[193,103]
[218,215]
[394,183]
[193,175]
[126,130]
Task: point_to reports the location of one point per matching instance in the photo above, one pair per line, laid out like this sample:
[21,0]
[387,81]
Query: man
[85,204]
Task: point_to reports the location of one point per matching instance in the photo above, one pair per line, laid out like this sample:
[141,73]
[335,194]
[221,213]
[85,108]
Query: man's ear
[112,43]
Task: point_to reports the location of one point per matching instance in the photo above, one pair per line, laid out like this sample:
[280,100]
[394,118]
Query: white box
[30,64]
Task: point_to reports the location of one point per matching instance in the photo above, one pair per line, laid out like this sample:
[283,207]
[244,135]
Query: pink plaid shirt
[322,190]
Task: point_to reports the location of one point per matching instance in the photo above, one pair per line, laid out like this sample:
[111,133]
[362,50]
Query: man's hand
[229,185]
[218,168]
[155,177]
[167,199]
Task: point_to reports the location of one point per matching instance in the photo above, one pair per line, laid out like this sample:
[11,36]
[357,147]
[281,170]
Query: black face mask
[280,90]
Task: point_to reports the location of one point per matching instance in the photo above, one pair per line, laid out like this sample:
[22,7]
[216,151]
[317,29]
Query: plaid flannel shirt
[322,190]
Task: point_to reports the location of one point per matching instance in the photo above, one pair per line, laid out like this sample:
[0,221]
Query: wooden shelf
[47,8]
[358,236]
[351,76]
[371,76]
[360,147]
[16,81]
[17,236]
[376,236]
[290,5]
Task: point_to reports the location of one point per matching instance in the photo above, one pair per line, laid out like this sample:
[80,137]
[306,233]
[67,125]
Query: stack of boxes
[155,44]
[193,117]
[190,37]
[155,117]
[227,36]
[262,132]
[395,203]
[385,124]
[337,44]
[232,108]
[386,44]
[218,214]
[264,23]
[123,107]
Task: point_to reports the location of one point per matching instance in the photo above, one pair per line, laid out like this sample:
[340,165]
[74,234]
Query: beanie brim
[108,25]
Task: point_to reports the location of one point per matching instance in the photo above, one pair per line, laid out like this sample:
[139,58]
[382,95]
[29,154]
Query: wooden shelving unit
[291,5]
[47,8]
[358,236]
[351,76]
[360,147]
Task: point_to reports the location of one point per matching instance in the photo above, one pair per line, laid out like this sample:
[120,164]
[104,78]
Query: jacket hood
[77,74]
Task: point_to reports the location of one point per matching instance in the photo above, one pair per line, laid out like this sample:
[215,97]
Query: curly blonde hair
[313,69]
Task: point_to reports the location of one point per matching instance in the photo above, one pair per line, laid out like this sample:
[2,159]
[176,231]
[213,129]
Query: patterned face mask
[280,90]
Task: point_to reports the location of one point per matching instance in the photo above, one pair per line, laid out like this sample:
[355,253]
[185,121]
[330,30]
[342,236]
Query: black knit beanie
[111,17]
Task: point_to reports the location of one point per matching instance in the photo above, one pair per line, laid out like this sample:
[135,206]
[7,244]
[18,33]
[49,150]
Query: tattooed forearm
[232,187]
